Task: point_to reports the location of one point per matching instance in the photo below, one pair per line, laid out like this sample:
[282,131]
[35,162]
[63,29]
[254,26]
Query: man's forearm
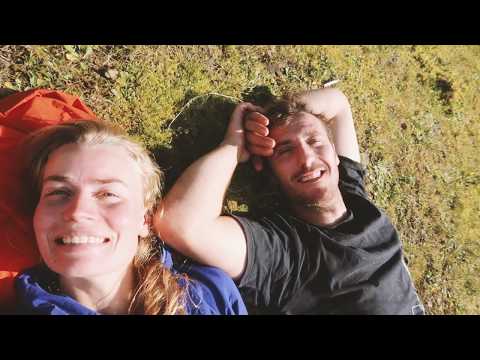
[328,103]
[189,219]
[333,106]
[197,197]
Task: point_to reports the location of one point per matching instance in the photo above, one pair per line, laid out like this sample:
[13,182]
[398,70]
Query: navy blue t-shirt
[354,267]
[210,291]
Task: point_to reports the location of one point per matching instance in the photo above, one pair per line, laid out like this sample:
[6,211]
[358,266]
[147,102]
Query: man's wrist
[232,147]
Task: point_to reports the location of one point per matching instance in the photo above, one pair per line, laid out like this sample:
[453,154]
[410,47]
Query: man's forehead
[301,125]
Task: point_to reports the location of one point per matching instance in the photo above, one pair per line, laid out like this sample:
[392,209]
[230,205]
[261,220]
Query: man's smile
[310,176]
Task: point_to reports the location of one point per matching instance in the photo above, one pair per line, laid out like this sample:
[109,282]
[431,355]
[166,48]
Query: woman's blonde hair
[158,290]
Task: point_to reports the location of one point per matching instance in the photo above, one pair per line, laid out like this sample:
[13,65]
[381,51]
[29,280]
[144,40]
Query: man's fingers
[256,108]
[263,141]
[259,150]
[243,108]
[254,126]
[257,117]
[246,106]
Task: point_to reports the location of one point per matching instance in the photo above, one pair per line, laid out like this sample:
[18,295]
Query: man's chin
[312,200]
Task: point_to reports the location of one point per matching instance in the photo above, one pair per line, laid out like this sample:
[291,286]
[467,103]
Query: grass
[416,111]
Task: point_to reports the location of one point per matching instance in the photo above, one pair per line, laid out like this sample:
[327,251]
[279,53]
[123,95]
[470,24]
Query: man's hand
[329,104]
[235,134]
[259,144]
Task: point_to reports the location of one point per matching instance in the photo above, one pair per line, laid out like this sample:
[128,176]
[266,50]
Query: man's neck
[325,213]
[107,294]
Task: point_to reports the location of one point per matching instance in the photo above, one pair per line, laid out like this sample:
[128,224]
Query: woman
[93,192]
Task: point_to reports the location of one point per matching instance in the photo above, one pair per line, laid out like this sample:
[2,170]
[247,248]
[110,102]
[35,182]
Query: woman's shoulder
[38,293]
[213,291]
[209,289]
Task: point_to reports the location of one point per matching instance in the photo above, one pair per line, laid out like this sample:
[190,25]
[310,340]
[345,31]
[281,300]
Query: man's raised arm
[189,218]
[333,106]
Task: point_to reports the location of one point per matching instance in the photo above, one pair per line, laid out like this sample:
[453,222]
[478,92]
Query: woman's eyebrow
[56,178]
[61,178]
[110,180]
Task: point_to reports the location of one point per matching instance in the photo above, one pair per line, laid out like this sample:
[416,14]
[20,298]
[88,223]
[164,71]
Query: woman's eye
[58,192]
[107,195]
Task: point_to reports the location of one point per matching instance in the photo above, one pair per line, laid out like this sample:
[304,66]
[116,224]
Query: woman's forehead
[99,162]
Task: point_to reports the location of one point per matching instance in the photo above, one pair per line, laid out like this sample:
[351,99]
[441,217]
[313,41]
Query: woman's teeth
[82,240]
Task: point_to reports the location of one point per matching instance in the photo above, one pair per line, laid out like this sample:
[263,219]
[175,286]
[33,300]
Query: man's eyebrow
[313,133]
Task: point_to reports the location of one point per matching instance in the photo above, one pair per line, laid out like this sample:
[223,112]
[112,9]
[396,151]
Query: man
[332,252]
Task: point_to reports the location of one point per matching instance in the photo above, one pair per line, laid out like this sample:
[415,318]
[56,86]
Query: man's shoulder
[272,221]
[278,216]
[351,177]
[347,162]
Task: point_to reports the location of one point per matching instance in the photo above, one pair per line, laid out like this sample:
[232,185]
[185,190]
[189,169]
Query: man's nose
[80,207]
[306,156]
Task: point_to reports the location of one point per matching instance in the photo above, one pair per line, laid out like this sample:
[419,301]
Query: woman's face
[91,210]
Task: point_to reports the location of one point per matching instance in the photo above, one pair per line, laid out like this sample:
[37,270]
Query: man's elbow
[169,227]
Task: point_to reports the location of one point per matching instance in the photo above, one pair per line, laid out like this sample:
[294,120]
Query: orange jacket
[20,114]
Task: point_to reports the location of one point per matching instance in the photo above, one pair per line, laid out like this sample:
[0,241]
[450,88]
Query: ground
[415,107]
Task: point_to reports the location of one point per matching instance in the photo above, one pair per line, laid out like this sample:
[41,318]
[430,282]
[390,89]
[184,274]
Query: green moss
[416,111]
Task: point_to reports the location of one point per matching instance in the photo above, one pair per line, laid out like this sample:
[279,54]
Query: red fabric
[20,114]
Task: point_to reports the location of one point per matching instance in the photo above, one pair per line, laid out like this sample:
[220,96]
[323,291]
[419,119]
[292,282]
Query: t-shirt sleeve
[274,257]
[352,177]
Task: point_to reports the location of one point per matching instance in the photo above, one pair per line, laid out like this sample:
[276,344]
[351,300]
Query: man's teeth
[82,240]
[310,176]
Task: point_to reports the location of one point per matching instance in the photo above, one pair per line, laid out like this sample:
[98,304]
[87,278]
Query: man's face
[304,160]
[90,212]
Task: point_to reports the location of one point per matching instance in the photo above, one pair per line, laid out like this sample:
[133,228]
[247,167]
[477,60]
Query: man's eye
[282,151]
[315,142]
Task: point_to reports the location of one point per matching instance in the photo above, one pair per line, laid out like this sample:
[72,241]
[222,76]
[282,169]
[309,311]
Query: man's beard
[318,202]
[315,205]
[315,202]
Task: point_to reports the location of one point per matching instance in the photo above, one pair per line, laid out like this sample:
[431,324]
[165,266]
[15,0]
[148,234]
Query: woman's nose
[80,207]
